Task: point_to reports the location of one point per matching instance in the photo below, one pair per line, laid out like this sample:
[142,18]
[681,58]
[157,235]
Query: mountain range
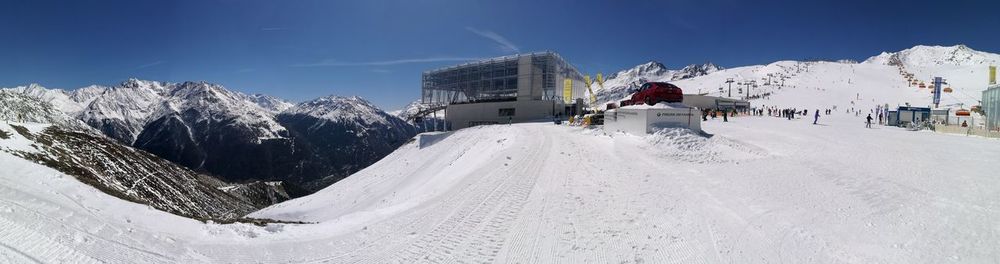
[234,136]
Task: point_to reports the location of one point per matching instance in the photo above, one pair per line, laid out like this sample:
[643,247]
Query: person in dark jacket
[816,117]
[868,124]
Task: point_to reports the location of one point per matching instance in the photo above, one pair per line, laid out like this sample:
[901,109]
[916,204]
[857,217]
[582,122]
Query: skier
[816,117]
[880,117]
[725,115]
[868,124]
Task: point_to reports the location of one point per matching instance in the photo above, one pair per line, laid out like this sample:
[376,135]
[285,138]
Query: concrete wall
[465,115]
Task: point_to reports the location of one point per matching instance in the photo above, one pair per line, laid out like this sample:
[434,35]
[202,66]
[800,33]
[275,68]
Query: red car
[655,92]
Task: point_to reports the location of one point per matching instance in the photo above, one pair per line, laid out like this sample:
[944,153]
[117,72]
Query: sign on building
[993,75]
[567,90]
[938,82]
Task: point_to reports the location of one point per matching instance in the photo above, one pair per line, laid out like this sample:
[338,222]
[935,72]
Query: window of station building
[505,112]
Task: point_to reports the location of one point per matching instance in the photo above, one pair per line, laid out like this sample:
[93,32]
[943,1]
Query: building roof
[499,59]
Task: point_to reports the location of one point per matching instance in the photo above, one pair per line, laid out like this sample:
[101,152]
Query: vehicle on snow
[654,92]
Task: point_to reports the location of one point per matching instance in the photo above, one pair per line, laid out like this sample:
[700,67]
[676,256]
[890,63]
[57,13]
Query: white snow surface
[759,190]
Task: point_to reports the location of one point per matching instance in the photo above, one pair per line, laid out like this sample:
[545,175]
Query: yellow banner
[586,80]
[567,90]
[993,75]
[600,79]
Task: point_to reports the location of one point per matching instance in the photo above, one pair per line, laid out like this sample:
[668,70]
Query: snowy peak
[621,84]
[695,70]
[936,55]
[408,110]
[59,99]
[337,108]
[137,83]
[270,103]
[651,68]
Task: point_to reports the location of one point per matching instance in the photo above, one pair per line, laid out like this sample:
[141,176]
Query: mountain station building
[991,107]
[517,88]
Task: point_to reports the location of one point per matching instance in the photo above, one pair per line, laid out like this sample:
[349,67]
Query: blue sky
[300,50]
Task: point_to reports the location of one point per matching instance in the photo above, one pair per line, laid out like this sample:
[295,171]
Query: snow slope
[821,84]
[759,190]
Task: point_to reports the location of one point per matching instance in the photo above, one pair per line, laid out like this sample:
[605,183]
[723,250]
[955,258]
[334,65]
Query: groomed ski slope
[760,190]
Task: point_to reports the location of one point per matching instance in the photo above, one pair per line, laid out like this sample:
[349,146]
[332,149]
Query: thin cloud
[331,62]
[501,41]
[151,64]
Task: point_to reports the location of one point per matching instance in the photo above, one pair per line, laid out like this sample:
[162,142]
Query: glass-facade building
[522,77]
[991,107]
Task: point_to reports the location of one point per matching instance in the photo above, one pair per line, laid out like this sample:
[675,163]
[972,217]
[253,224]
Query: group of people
[716,113]
[791,113]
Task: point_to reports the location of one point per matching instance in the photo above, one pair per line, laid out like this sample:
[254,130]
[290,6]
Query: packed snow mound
[685,145]
[660,105]
[420,171]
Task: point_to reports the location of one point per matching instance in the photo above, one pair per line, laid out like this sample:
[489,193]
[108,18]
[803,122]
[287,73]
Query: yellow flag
[600,79]
[567,90]
[993,75]
[586,80]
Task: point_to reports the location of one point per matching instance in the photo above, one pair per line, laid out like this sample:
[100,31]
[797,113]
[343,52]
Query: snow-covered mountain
[34,130]
[408,110]
[270,103]
[936,55]
[209,128]
[19,107]
[343,134]
[618,85]
[824,84]
[426,123]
